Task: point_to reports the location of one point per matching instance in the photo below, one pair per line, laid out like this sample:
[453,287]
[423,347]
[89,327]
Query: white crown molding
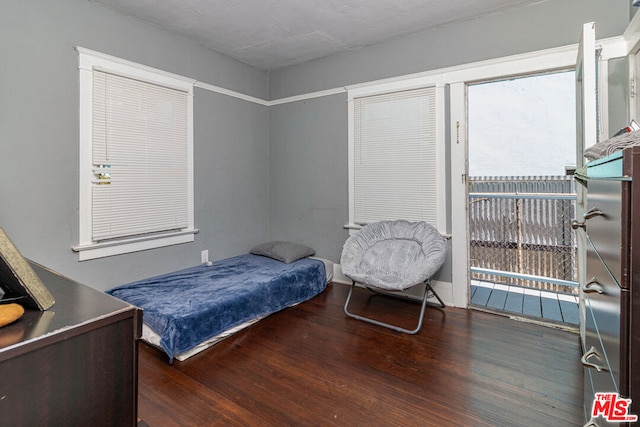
[554,58]
[310,95]
[234,94]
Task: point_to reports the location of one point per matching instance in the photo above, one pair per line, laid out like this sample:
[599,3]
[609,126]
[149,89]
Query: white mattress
[149,336]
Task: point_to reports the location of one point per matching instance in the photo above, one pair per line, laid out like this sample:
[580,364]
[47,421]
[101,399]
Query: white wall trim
[524,63]
[100,250]
[459,220]
[89,60]
[234,94]
[559,57]
[306,96]
[612,48]
[338,276]
[393,87]
[631,34]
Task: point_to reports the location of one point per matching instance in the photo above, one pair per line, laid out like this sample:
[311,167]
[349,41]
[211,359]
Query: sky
[523,127]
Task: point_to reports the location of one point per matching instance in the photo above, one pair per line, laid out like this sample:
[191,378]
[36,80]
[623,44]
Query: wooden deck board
[514,302]
[545,305]
[481,296]
[550,306]
[497,299]
[570,311]
[531,305]
[551,309]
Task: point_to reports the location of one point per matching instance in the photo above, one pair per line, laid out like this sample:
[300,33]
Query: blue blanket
[193,305]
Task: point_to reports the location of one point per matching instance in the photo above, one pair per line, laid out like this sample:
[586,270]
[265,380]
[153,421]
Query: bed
[187,311]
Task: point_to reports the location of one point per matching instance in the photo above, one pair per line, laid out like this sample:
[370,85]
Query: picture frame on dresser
[18,281]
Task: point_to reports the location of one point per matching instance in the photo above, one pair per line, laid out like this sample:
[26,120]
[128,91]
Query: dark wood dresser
[75,364]
[611,292]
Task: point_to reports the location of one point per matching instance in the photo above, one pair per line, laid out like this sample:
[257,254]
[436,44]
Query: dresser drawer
[595,382]
[604,230]
[599,350]
[602,332]
[598,268]
[602,308]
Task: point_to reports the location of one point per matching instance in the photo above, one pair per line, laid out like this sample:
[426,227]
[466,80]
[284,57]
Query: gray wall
[39,138]
[308,172]
[322,122]
[548,24]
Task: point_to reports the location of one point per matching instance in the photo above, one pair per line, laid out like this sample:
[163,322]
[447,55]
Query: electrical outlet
[204,256]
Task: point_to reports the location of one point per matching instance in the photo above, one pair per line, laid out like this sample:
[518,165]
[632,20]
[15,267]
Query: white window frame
[391,87]
[631,37]
[87,248]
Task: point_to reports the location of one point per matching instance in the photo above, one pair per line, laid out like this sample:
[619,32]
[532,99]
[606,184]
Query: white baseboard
[338,277]
[443,289]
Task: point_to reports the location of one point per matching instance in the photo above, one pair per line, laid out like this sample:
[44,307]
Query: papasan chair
[392,256]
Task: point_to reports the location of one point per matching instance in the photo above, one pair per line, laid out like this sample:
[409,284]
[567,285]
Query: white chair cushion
[393,255]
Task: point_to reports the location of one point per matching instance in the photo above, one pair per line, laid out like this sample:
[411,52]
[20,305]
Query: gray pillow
[286,252]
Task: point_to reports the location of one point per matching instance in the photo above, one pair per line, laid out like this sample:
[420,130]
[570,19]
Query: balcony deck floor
[531,303]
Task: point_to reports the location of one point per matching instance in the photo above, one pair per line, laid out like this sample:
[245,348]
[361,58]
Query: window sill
[123,246]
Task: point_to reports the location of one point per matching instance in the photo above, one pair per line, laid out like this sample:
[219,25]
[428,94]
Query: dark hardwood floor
[309,365]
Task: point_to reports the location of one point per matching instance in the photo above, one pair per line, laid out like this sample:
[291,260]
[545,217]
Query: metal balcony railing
[520,231]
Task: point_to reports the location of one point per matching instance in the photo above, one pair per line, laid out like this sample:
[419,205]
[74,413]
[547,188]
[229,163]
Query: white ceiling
[270,34]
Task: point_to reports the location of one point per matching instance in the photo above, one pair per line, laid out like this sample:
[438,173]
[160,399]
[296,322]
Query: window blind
[395,157]
[140,157]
